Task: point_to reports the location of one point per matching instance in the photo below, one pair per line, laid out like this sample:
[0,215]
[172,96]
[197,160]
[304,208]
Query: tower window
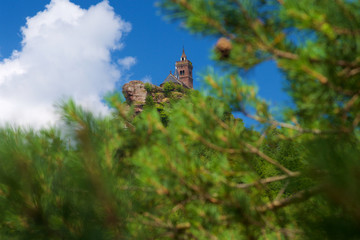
[182,72]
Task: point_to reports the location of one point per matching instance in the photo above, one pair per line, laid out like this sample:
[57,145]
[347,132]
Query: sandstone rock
[177,95]
[135,92]
[135,95]
[165,100]
[158,97]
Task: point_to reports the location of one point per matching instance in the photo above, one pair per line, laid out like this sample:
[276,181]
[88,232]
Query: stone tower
[184,70]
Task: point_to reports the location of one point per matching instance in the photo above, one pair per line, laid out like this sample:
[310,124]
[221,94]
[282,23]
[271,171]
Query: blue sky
[153,42]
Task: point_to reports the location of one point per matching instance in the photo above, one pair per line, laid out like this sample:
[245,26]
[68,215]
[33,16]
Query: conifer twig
[266,180]
[288,125]
[251,148]
[282,190]
[297,197]
[269,159]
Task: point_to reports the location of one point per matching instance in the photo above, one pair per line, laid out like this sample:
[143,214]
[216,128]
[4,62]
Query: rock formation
[135,93]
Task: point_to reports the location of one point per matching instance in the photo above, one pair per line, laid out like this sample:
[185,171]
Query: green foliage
[168,88]
[148,88]
[164,113]
[149,101]
[189,169]
[173,92]
[181,89]
[321,77]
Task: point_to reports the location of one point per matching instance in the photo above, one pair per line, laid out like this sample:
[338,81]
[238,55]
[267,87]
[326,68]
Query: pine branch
[289,126]
[297,197]
[267,180]
[269,159]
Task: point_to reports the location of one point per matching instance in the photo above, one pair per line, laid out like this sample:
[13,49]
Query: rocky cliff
[137,92]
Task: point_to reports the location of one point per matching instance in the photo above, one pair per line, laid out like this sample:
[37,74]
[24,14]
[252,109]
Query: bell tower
[184,70]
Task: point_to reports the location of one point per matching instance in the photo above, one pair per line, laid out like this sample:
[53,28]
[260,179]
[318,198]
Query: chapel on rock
[136,93]
[182,74]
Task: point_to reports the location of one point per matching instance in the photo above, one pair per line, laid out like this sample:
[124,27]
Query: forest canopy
[203,174]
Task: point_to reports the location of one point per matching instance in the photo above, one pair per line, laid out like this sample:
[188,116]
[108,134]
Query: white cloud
[147,79]
[127,62]
[66,52]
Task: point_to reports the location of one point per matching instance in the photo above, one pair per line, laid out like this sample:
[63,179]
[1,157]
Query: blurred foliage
[149,101]
[168,88]
[165,97]
[202,174]
[148,87]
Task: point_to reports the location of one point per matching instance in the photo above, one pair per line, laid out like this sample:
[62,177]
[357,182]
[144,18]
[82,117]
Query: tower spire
[183,56]
[184,68]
